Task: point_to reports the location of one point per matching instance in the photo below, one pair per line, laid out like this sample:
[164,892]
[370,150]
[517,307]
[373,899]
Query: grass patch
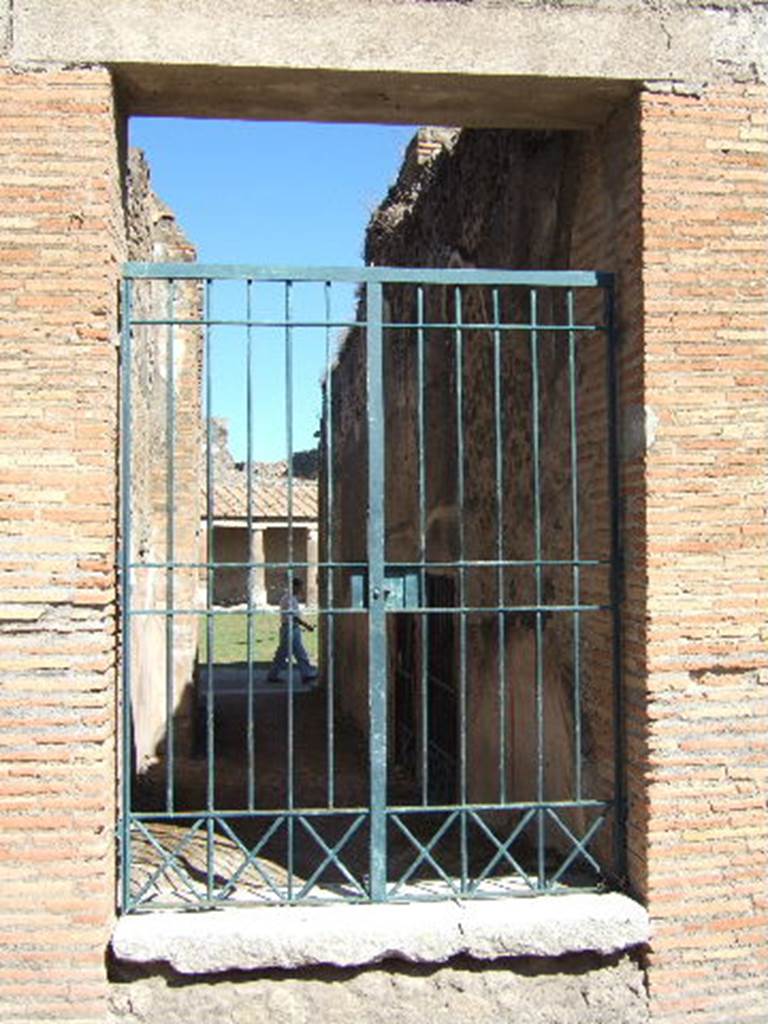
[230,637]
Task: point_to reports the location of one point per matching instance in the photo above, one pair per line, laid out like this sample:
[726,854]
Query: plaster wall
[276,550]
[230,544]
[160,489]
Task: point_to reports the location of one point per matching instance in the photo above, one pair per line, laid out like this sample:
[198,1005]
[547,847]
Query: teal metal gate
[464,738]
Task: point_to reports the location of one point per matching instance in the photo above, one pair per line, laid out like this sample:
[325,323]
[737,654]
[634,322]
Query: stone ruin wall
[577,989]
[155,236]
[513,200]
[696,375]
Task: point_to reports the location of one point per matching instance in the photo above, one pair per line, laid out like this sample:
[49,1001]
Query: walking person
[291,644]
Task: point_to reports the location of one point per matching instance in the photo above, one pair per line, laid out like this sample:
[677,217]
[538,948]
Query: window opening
[456,531]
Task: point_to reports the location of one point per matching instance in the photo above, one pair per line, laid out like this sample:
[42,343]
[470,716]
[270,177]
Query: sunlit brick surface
[699,706]
[60,229]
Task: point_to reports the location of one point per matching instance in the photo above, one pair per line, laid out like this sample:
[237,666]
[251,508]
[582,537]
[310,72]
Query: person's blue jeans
[291,644]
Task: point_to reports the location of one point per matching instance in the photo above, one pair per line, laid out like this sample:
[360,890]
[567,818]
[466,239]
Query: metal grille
[463,737]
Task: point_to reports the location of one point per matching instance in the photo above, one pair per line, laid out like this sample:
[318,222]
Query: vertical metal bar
[209,615]
[421,442]
[502,653]
[290,752]
[170,542]
[617,583]
[329,597]
[210,574]
[535,455]
[250,724]
[459,359]
[126,767]
[575,546]
[377,637]
[210,858]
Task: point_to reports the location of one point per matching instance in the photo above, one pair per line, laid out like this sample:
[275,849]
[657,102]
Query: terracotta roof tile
[269,499]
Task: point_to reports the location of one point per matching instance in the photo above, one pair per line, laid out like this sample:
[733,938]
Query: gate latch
[402,590]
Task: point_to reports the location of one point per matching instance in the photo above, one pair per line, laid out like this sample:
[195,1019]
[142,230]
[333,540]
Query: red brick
[63,158]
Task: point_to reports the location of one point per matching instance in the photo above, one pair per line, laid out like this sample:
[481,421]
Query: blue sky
[271,193]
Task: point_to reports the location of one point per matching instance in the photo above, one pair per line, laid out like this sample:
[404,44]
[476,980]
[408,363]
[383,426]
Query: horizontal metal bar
[481,325]
[261,522]
[249,565]
[396,809]
[213,322]
[410,895]
[273,812]
[383,275]
[202,903]
[412,609]
[478,563]
[495,608]
[492,563]
[436,325]
[243,610]
[520,805]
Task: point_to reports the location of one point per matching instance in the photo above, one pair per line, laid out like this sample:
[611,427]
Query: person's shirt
[289,605]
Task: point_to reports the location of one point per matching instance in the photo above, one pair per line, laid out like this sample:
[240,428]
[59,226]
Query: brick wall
[60,229]
[700,697]
[514,200]
[693,366]
[671,195]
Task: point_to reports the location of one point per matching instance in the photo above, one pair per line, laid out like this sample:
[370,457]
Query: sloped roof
[269,499]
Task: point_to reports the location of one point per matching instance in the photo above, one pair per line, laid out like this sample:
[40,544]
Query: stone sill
[354,935]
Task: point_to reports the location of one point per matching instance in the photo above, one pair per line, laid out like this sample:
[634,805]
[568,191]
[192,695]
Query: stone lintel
[348,935]
[488,64]
[596,38]
[387,97]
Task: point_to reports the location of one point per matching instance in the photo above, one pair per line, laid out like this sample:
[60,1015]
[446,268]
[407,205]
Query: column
[257,582]
[312,569]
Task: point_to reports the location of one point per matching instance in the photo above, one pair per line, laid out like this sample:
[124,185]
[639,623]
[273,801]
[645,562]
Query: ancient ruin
[626,137]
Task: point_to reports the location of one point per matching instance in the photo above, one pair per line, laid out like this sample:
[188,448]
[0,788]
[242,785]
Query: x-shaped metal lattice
[579,846]
[251,859]
[502,849]
[169,860]
[424,853]
[331,856]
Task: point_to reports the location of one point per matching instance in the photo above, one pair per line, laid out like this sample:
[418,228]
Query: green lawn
[230,641]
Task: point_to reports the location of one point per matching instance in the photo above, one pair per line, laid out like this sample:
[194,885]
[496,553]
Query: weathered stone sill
[349,935]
